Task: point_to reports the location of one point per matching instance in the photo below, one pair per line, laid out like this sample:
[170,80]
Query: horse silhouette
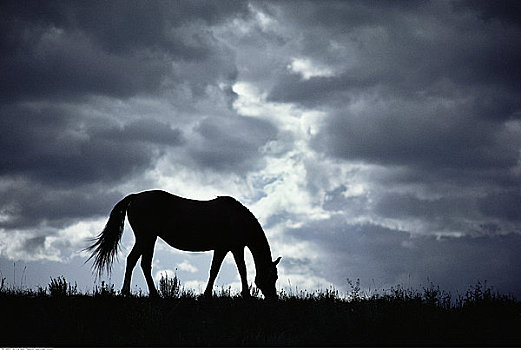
[222,225]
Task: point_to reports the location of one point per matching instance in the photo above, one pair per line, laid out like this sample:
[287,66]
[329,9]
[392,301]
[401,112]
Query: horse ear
[277,261]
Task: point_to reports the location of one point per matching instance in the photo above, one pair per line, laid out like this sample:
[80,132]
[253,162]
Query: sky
[372,140]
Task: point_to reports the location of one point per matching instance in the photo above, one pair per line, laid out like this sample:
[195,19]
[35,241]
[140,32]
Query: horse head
[266,279]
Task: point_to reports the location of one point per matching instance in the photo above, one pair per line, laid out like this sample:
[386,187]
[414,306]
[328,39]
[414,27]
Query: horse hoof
[207,295]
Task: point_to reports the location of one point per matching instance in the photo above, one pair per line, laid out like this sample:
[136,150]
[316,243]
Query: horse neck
[260,250]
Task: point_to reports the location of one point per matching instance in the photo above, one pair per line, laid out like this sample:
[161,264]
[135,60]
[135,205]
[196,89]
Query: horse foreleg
[132,259]
[218,257]
[146,266]
[241,266]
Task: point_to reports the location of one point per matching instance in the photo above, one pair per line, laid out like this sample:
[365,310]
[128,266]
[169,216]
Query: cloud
[502,206]
[51,145]
[433,107]
[231,143]
[382,257]
[308,69]
[63,50]
[401,50]
[186,266]
[54,63]
[25,205]
[423,135]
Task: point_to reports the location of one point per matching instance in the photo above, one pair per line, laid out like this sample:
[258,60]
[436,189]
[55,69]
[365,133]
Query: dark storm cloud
[383,257]
[43,61]
[474,214]
[504,205]
[409,206]
[67,49]
[403,50]
[64,65]
[30,205]
[231,143]
[422,135]
[145,131]
[509,11]
[49,145]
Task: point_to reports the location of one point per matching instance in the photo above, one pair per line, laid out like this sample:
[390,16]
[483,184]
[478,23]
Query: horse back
[188,224]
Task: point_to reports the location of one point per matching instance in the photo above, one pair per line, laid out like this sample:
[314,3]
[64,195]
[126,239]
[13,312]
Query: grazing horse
[222,225]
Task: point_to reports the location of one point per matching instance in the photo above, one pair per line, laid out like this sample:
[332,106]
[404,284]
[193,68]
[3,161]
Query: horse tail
[106,244]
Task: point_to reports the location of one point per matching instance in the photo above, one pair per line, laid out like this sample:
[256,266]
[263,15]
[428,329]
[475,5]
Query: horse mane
[242,209]
[257,241]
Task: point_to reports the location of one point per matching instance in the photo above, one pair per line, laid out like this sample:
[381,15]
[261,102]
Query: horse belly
[193,237]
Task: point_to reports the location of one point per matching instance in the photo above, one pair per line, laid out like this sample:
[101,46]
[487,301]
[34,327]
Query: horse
[222,224]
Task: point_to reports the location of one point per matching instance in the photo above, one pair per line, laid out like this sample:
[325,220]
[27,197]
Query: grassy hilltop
[59,315]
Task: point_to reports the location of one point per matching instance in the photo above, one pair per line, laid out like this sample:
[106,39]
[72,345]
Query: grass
[60,315]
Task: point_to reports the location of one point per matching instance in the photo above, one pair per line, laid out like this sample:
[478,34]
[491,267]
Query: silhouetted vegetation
[60,315]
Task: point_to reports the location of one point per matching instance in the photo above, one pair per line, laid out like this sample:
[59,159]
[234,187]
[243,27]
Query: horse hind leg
[132,259]
[146,265]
